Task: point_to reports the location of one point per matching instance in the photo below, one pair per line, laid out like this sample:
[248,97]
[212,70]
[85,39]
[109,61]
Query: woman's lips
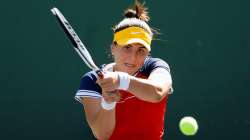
[129,65]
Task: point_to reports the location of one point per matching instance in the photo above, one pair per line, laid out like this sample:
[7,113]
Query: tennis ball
[188,126]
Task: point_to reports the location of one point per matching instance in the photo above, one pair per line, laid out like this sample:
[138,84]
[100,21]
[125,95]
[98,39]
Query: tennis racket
[76,42]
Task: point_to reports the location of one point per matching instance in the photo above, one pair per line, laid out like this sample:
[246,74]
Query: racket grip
[99,73]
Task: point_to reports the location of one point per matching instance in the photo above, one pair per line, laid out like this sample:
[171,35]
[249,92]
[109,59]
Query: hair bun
[130,13]
[139,11]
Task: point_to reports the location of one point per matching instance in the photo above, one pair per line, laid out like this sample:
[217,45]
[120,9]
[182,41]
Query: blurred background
[206,44]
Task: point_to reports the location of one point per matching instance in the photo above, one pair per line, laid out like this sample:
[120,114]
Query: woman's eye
[142,52]
[127,46]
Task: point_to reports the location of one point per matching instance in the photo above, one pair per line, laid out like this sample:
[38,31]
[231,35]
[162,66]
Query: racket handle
[99,73]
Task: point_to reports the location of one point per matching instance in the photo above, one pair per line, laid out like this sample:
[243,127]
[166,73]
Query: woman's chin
[131,71]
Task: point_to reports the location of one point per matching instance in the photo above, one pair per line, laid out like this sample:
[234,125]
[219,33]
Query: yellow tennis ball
[188,126]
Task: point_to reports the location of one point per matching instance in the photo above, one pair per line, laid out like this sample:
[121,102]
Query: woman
[129,102]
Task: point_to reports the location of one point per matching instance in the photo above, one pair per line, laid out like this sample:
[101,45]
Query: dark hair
[135,16]
[139,11]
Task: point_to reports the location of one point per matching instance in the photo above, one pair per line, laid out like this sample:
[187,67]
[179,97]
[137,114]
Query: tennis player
[129,102]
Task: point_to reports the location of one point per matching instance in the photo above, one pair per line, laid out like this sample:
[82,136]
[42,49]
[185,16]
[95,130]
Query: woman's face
[129,58]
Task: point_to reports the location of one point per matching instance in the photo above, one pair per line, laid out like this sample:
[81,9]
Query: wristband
[124,80]
[107,106]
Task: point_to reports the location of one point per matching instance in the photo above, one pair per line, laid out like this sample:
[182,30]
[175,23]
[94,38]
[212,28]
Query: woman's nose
[133,56]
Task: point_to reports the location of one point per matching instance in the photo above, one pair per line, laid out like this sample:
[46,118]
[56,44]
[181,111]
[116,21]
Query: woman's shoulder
[155,62]
[153,59]
[152,63]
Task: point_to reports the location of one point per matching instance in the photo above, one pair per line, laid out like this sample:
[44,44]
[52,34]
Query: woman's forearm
[153,89]
[101,121]
[148,90]
[103,124]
